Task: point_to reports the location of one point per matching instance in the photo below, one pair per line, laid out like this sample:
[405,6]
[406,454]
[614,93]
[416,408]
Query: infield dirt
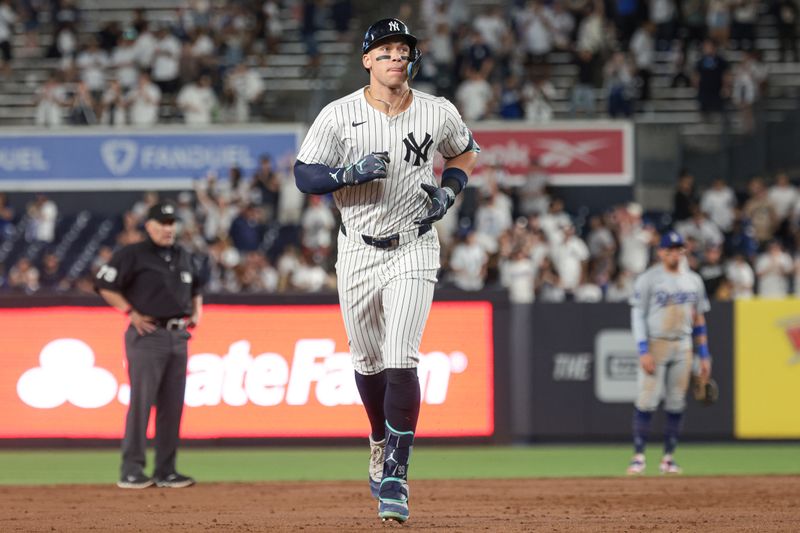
[650,503]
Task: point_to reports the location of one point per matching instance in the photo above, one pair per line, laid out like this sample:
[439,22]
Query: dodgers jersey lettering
[669,301]
[349,128]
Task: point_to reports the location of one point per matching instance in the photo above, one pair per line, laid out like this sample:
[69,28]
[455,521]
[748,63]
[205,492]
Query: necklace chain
[387,104]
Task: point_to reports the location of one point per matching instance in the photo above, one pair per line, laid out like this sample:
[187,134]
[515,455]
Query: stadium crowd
[202,65]
[260,234]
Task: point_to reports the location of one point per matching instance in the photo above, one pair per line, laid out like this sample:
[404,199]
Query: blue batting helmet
[386,28]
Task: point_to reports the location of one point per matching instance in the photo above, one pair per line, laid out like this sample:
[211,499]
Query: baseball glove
[706,392]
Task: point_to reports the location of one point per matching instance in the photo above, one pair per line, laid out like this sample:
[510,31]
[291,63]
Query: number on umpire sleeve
[107,273]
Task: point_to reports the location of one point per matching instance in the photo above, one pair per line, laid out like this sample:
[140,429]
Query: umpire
[155,282]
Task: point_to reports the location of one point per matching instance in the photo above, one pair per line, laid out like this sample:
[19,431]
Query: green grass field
[27,467]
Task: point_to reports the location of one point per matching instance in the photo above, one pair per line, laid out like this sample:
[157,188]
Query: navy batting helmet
[393,28]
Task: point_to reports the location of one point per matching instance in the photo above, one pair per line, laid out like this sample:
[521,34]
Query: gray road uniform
[387,264]
[664,306]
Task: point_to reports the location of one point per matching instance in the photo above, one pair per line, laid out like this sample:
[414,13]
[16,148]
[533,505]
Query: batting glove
[370,167]
[441,200]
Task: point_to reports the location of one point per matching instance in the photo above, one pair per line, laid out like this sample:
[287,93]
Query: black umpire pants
[157,372]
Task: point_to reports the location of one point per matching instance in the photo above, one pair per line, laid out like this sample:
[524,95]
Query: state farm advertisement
[580,153]
[253,371]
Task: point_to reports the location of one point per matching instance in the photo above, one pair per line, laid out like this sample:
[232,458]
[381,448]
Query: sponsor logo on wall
[572,367]
[616,364]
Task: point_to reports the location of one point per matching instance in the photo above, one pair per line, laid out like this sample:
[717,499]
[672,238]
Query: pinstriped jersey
[349,128]
[669,301]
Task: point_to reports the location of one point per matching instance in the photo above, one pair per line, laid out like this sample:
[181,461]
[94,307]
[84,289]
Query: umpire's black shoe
[175,481]
[135,481]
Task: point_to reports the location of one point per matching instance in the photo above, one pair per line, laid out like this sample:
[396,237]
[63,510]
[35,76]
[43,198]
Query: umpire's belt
[395,240]
[172,323]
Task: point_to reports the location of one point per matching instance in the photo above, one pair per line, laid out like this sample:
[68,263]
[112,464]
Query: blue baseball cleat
[393,500]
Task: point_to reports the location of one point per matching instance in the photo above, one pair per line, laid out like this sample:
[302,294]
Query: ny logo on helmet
[419,150]
[394,26]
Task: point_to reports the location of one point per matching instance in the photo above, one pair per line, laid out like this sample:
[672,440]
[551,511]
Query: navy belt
[395,240]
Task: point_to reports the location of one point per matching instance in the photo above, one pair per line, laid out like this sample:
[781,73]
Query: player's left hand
[440,200]
[194,320]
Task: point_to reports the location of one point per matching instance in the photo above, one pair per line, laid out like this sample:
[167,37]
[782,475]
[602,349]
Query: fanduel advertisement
[253,371]
[113,160]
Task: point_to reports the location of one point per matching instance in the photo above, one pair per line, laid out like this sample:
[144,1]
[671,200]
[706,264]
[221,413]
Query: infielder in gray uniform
[668,304]
[373,149]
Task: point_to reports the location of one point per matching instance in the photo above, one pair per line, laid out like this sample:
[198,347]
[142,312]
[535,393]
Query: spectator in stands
[141,207]
[712,270]
[600,241]
[145,45]
[309,26]
[622,287]
[267,185]
[518,275]
[103,257]
[536,31]
[532,194]
[51,100]
[198,102]
[783,196]
[684,198]
[247,229]
[711,79]
[743,29]
[243,89]
[741,276]
[563,26]
[592,34]
[570,257]
[123,61]
[785,13]
[310,277]
[42,216]
[82,106]
[509,98]
[744,92]
[50,276]
[166,62]
[619,83]
[548,284]
[6,216]
[718,20]
[664,17]
[65,45]
[257,275]
[217,214]
[741,239]
[694,22]
[699,228]
[66,11]
[109,36]
[113,105]
[719,203]
[8,17]
[492,218]
[679,77]
[131,232]
[643,47]
[474,96]
[635,238]
[773,268]
[538,93]
[468,263]
[583,97]
[273,27]
[760,211]
[318,225]
[143,102]
[92,62]
[24,277]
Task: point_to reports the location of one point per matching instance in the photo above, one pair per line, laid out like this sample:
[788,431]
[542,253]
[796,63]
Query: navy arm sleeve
[317,178]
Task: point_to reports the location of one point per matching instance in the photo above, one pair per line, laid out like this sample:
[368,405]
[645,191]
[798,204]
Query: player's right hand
[143,324]
[370,167]
[647,363]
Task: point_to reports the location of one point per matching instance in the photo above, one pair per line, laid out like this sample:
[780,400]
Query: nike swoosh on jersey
[358,123]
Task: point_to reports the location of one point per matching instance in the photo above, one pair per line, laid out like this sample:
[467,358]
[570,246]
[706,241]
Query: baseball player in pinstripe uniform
[667,314]
[373,149]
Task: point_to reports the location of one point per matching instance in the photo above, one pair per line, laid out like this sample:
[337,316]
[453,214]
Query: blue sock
[672,428]
[372,390]
[641,429]
[401,404]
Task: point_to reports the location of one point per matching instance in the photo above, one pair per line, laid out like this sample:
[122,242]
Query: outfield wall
[275,368]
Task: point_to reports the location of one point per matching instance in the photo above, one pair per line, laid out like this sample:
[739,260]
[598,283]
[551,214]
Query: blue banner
[128,160]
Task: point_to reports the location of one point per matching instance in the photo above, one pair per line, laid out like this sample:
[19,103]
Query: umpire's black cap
[387,28]
[163,212]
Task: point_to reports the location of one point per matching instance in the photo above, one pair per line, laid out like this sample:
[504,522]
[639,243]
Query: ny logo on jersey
[394,26]
[419,150]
